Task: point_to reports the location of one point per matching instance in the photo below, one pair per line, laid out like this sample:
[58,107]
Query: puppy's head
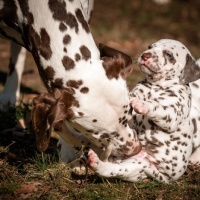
[168,60]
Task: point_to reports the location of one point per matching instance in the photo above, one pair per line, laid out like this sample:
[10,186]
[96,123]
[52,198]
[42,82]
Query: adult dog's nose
[146,56]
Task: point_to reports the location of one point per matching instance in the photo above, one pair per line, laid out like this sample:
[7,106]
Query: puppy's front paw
[139,106]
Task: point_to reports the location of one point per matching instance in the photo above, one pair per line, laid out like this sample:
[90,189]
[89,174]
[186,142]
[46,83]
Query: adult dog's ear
[49,112]
[116,63]
[191,72]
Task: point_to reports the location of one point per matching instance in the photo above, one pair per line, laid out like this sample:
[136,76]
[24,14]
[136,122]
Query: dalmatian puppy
[164,116]
[82,87]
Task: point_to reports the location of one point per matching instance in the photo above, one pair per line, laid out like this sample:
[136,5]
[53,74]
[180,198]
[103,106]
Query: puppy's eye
[150,46]
[169,54]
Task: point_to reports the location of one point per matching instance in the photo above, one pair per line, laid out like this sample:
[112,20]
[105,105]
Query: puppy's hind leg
[132,169]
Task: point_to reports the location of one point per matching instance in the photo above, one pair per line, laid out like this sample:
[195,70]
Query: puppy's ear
[191,71]
[49,112]
[116,63]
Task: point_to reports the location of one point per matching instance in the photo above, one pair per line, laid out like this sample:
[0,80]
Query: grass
[28,174]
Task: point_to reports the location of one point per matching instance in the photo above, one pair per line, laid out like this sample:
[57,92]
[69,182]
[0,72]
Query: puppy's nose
[146,56]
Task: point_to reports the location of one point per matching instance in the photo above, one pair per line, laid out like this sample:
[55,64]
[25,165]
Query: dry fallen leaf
[26,196]
[28,187]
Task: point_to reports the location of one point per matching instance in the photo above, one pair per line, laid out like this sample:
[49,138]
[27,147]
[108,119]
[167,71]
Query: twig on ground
[4,150]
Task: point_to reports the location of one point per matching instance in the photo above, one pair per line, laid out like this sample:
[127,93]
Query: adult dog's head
[168,61]
[100,111]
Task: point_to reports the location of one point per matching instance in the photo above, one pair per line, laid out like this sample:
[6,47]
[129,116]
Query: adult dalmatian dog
[82,87]
[166,116]
[11,92]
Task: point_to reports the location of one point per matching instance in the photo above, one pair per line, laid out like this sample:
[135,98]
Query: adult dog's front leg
[11,91]
[75,139]
[73,146]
